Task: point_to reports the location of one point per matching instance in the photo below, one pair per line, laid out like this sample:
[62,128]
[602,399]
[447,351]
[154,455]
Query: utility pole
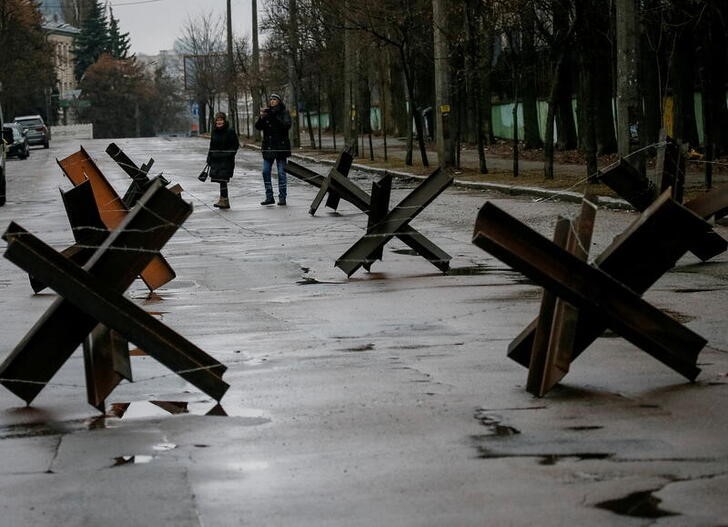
[629,113]
[443,132]
[350,106]
[292,75]
[232,98]
[255,87]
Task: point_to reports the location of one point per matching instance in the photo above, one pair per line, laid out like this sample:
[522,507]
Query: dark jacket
[224,145]
[275,124]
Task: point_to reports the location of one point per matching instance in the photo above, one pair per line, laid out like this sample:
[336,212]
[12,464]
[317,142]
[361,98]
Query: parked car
[17,141]
[35,129]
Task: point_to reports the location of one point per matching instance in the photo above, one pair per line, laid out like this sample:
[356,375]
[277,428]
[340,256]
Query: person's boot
[282,202]
[223,203]
[268,201]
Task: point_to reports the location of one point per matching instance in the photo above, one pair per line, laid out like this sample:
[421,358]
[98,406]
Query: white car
[35,129]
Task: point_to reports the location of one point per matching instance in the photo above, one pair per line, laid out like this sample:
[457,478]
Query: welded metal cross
[324,183]
[606,293]
[384,224]
[80,168]
[635,188]
[93,295]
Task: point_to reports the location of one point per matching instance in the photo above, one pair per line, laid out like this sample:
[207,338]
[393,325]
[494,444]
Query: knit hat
[275,96]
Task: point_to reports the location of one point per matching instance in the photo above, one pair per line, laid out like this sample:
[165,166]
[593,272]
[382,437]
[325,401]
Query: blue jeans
[267,167]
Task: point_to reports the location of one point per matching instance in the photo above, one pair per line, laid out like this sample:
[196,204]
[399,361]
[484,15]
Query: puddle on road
[638,504]
[142,459]
[157,409]
[131,460]
[147,409]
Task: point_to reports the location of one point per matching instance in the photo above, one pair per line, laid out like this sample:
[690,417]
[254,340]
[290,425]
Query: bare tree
[204,52]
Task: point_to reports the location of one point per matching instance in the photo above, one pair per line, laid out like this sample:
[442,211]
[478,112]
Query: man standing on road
[275,121]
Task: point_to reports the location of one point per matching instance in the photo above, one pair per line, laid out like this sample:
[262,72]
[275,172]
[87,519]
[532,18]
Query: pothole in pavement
[642,504]
[505,441]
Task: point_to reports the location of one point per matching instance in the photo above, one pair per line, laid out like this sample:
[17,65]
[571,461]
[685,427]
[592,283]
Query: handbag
[205,172]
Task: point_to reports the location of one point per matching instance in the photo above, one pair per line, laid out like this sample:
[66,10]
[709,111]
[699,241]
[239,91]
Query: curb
[511,190]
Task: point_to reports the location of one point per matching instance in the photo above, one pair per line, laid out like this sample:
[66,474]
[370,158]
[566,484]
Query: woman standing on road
[224,145]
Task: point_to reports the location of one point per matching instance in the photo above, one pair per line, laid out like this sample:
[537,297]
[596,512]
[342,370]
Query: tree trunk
[651,68]
[714,61]
[293,77]
[531,133]
[445,145]
[683,73]
[255,66]
[585,107]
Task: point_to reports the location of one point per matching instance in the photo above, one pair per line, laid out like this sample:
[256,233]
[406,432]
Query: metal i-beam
[119,259]
[639,192]
[106,363]
[554,335]
[588,288]
[637,258]
[342,167]
[304,174]
[395,223]
[95,297]
[80,167]
[86,225]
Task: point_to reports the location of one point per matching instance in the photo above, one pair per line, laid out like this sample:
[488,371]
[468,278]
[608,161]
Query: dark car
[35,129]
[18,145]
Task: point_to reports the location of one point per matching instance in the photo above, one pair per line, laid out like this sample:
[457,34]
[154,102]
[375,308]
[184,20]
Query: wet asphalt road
[383,399]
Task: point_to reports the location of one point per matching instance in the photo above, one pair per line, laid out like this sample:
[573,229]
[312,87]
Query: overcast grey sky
[154,25]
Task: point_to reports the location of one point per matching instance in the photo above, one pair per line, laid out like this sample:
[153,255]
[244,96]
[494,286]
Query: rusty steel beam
[80,167]
[639,192]
[381,192]
[396,223]
[119,259]
[553,343]
[139,175]
[86,225]
[304,174]
[671,168]
[106,363]
[711,203]
[349,191]
[589,289]
[637,258]
[630,184]
[91,294]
